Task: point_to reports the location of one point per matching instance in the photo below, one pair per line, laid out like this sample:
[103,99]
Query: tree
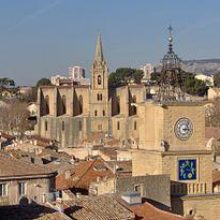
[217,79]
[123,76]
[213,113]
[191,85]
[155,76]
[5,82]
[14,117]
[43,82]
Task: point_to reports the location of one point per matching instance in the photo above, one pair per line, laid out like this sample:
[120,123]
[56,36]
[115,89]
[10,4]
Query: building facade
[73,113]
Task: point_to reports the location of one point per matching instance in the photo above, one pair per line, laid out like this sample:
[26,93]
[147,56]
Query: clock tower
[172,141]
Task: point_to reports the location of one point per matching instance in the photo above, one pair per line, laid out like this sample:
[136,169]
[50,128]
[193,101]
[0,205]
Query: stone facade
[36,189]
[72,114]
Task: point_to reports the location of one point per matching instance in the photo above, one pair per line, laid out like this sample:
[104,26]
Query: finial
[170,29]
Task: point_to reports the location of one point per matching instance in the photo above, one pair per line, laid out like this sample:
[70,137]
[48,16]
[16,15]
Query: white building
[77,73]
[147,69]
[209,80]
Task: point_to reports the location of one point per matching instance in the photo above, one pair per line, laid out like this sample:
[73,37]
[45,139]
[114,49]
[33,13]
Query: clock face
[187,169]
[183,129]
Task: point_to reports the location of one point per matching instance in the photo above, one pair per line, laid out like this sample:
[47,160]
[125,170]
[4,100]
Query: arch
[63,105]
[47,106]
[99,80]
[95,113]
[98,96]
[103,112]
[80,104]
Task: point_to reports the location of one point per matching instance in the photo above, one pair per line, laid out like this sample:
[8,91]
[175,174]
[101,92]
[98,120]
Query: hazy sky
[39,38]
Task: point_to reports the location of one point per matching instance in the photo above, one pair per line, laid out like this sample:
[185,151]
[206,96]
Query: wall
[155,187]
[35,190]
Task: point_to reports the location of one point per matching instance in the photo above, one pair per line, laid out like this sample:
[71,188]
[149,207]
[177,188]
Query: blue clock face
[187,169]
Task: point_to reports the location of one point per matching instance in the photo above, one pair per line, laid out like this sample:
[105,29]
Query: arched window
[63,106]
[99,97]
[103,112]
[47,106]
[99,80]
[96,113]
[133,107]
[80,104]
[45,125]
[118,125]
[63,126]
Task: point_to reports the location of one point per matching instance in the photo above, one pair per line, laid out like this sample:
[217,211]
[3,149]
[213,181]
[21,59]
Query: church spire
[98,51]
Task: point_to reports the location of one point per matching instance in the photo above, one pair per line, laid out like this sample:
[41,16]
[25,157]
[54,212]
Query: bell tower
[100,105]
[99,68]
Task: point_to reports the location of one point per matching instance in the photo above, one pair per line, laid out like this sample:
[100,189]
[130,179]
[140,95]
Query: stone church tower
[100,106]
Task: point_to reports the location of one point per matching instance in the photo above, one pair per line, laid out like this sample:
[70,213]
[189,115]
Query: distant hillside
[205,66]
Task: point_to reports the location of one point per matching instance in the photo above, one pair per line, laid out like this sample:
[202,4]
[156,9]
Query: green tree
[155,76]
[191,85]
[217,79]
[43,82]
[4,82]
[122,76]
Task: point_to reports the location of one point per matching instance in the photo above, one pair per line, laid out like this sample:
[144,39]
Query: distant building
[147,69]
[77,73]
[22,182]
[209,80]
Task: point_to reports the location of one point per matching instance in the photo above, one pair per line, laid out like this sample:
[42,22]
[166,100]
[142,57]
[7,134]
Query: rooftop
[11,167]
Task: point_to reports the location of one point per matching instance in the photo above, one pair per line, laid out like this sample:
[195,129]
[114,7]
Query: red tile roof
[147,211]
[83,174]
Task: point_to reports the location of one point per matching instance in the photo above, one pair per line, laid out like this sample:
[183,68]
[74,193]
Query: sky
[40,38]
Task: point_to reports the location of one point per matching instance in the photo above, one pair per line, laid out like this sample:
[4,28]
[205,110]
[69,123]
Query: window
[22,188]
[99,97]
[103,112]
[45,126]
[47,108]
[3,189]
[63,126]
[80,104]
[138,188]
[63,105]
[118,125]
[135,125]
[99,79]
[80,126]
[95,113]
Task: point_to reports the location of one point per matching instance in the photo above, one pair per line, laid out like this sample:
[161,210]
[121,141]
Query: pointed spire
[98,51]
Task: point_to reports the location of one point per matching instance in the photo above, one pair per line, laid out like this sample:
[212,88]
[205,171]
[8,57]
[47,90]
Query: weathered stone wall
[35,190]
[155,187]
[207,206]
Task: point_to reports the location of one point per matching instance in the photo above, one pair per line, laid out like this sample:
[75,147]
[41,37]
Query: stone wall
[155,187]
[36,189]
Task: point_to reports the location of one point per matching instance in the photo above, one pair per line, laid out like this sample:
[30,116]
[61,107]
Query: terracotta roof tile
[11,167]
[83,174]
[147,211]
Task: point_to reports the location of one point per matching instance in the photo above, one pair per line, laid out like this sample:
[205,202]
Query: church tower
[99,94]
